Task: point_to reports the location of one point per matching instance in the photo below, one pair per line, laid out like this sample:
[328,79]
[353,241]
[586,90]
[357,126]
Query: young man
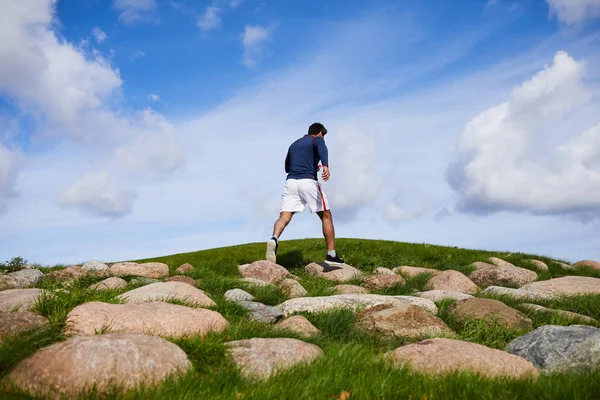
[302,188]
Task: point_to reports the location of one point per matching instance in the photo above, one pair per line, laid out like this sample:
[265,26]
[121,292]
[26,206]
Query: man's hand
[325,175]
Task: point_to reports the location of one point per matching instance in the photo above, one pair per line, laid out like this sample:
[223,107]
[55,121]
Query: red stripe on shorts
[322,198]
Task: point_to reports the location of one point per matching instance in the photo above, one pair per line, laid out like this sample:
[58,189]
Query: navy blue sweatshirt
[304,155]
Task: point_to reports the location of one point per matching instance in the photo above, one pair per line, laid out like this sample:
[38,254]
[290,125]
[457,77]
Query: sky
[139,128]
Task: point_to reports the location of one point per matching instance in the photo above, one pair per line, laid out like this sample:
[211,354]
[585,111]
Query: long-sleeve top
[304,155]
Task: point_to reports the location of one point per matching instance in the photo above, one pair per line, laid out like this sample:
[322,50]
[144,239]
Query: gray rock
[20,279]
[256,282]
[94,265]
[567,286]
[236,295]
[567,314]
[292,288]
[142,280]
[553,348]
[165,291]
[262,313]
[110,283]
[517,294]
[439,295]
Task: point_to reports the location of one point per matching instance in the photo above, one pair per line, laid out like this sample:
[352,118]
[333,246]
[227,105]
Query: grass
[351,364]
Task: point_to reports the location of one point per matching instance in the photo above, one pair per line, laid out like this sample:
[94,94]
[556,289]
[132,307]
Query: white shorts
[297,193]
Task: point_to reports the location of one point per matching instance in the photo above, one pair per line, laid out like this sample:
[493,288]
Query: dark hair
[315,128]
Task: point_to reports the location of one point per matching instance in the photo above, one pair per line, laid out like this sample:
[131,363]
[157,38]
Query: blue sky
[135,128]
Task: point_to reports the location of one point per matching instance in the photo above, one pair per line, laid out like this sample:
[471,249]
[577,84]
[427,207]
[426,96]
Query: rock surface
[441,356]
[110,283]
[70,273]
[502,276]
[264,270]
[184,269]
[402,321]
[291,288]
[94,265]
[160,319]
[350,301]
[553,348]
[539,265]
[348,289]
[500,262]
[567,285]
[255,282]
[382,281]
[125,360]
[181,278]
[19,299]
[162,291]
[236,295]
[488,310]
[451,280]
[12,323]
[439,295]
[20,279]
[411,272]
[260,358]
[148,270]
[567,314]
[261,312]
[300,325]
[517,294]
[588,263]
[342,273]
[383,271]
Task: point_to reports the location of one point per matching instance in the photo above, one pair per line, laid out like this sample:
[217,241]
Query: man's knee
[286,216]
[325,215]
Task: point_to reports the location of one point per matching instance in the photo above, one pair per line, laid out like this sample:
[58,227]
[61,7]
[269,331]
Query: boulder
[564,266]
[149,270]
[164,291]
[489,310]
[517,294]
[142,280]
[20,279]
[94,265]
[442,356]
[160,319]
[349,301]
[110,283]
[261,312]
[539,265]
[261,358]
[383,271]
[255,282]
[566,286]
[12,323]
[20,299]
[291,288]
[567,314]
[236,295]
[588,263]
[342,273]
[502,276]
[439,295]
[70,273]
[300,325]
[553,348]
[451,280]
[500,262]
[481,265]
[181,278]
[402,321]
[264,270]
[382,281]
[65,369]
[348,289]
[411,272]
[184,269]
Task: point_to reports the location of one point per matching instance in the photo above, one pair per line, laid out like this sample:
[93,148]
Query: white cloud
[134,10]
[9,167]
[137,54]
[154,97]
[210,20]
[253,40]
[505,161]
[99,35]
[99,195]
[572,12]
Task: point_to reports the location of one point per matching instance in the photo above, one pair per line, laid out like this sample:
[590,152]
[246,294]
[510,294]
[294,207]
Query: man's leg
[284,219]
[329,233]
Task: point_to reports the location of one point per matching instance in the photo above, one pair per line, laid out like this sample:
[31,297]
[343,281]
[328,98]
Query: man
[302,188]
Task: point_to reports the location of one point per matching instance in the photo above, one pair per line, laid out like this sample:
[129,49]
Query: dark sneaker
[334,260]
[272,246]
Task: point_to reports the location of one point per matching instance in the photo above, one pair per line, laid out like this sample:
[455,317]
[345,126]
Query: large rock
[442,356]
[517,294]
[261,312]
[300,325]
[70,273]
[342,273]
[160,319]
[236,295]
[402,321]
[451,280]
[439,295]
[256,282]
[502,276]
[500,262]
[260,358]
[164,291]
[94,265]
[567,314]
[489,310]
[566,286]
[184,269]
[113,283]
[383,271]
[348,289]
[19,299]
[181,278]
[350,301]
[539,265]
[411,272]
[564,266]
[382,281]
[264,270]
[552,348]
[68,368]
[149,270]
[291,288]
[20,279]
[12,323]
[588,263]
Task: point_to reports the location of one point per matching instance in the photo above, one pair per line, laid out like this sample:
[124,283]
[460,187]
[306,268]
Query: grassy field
[351,365]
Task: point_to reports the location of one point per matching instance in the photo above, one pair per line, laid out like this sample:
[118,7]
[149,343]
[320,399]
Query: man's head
[317,128]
